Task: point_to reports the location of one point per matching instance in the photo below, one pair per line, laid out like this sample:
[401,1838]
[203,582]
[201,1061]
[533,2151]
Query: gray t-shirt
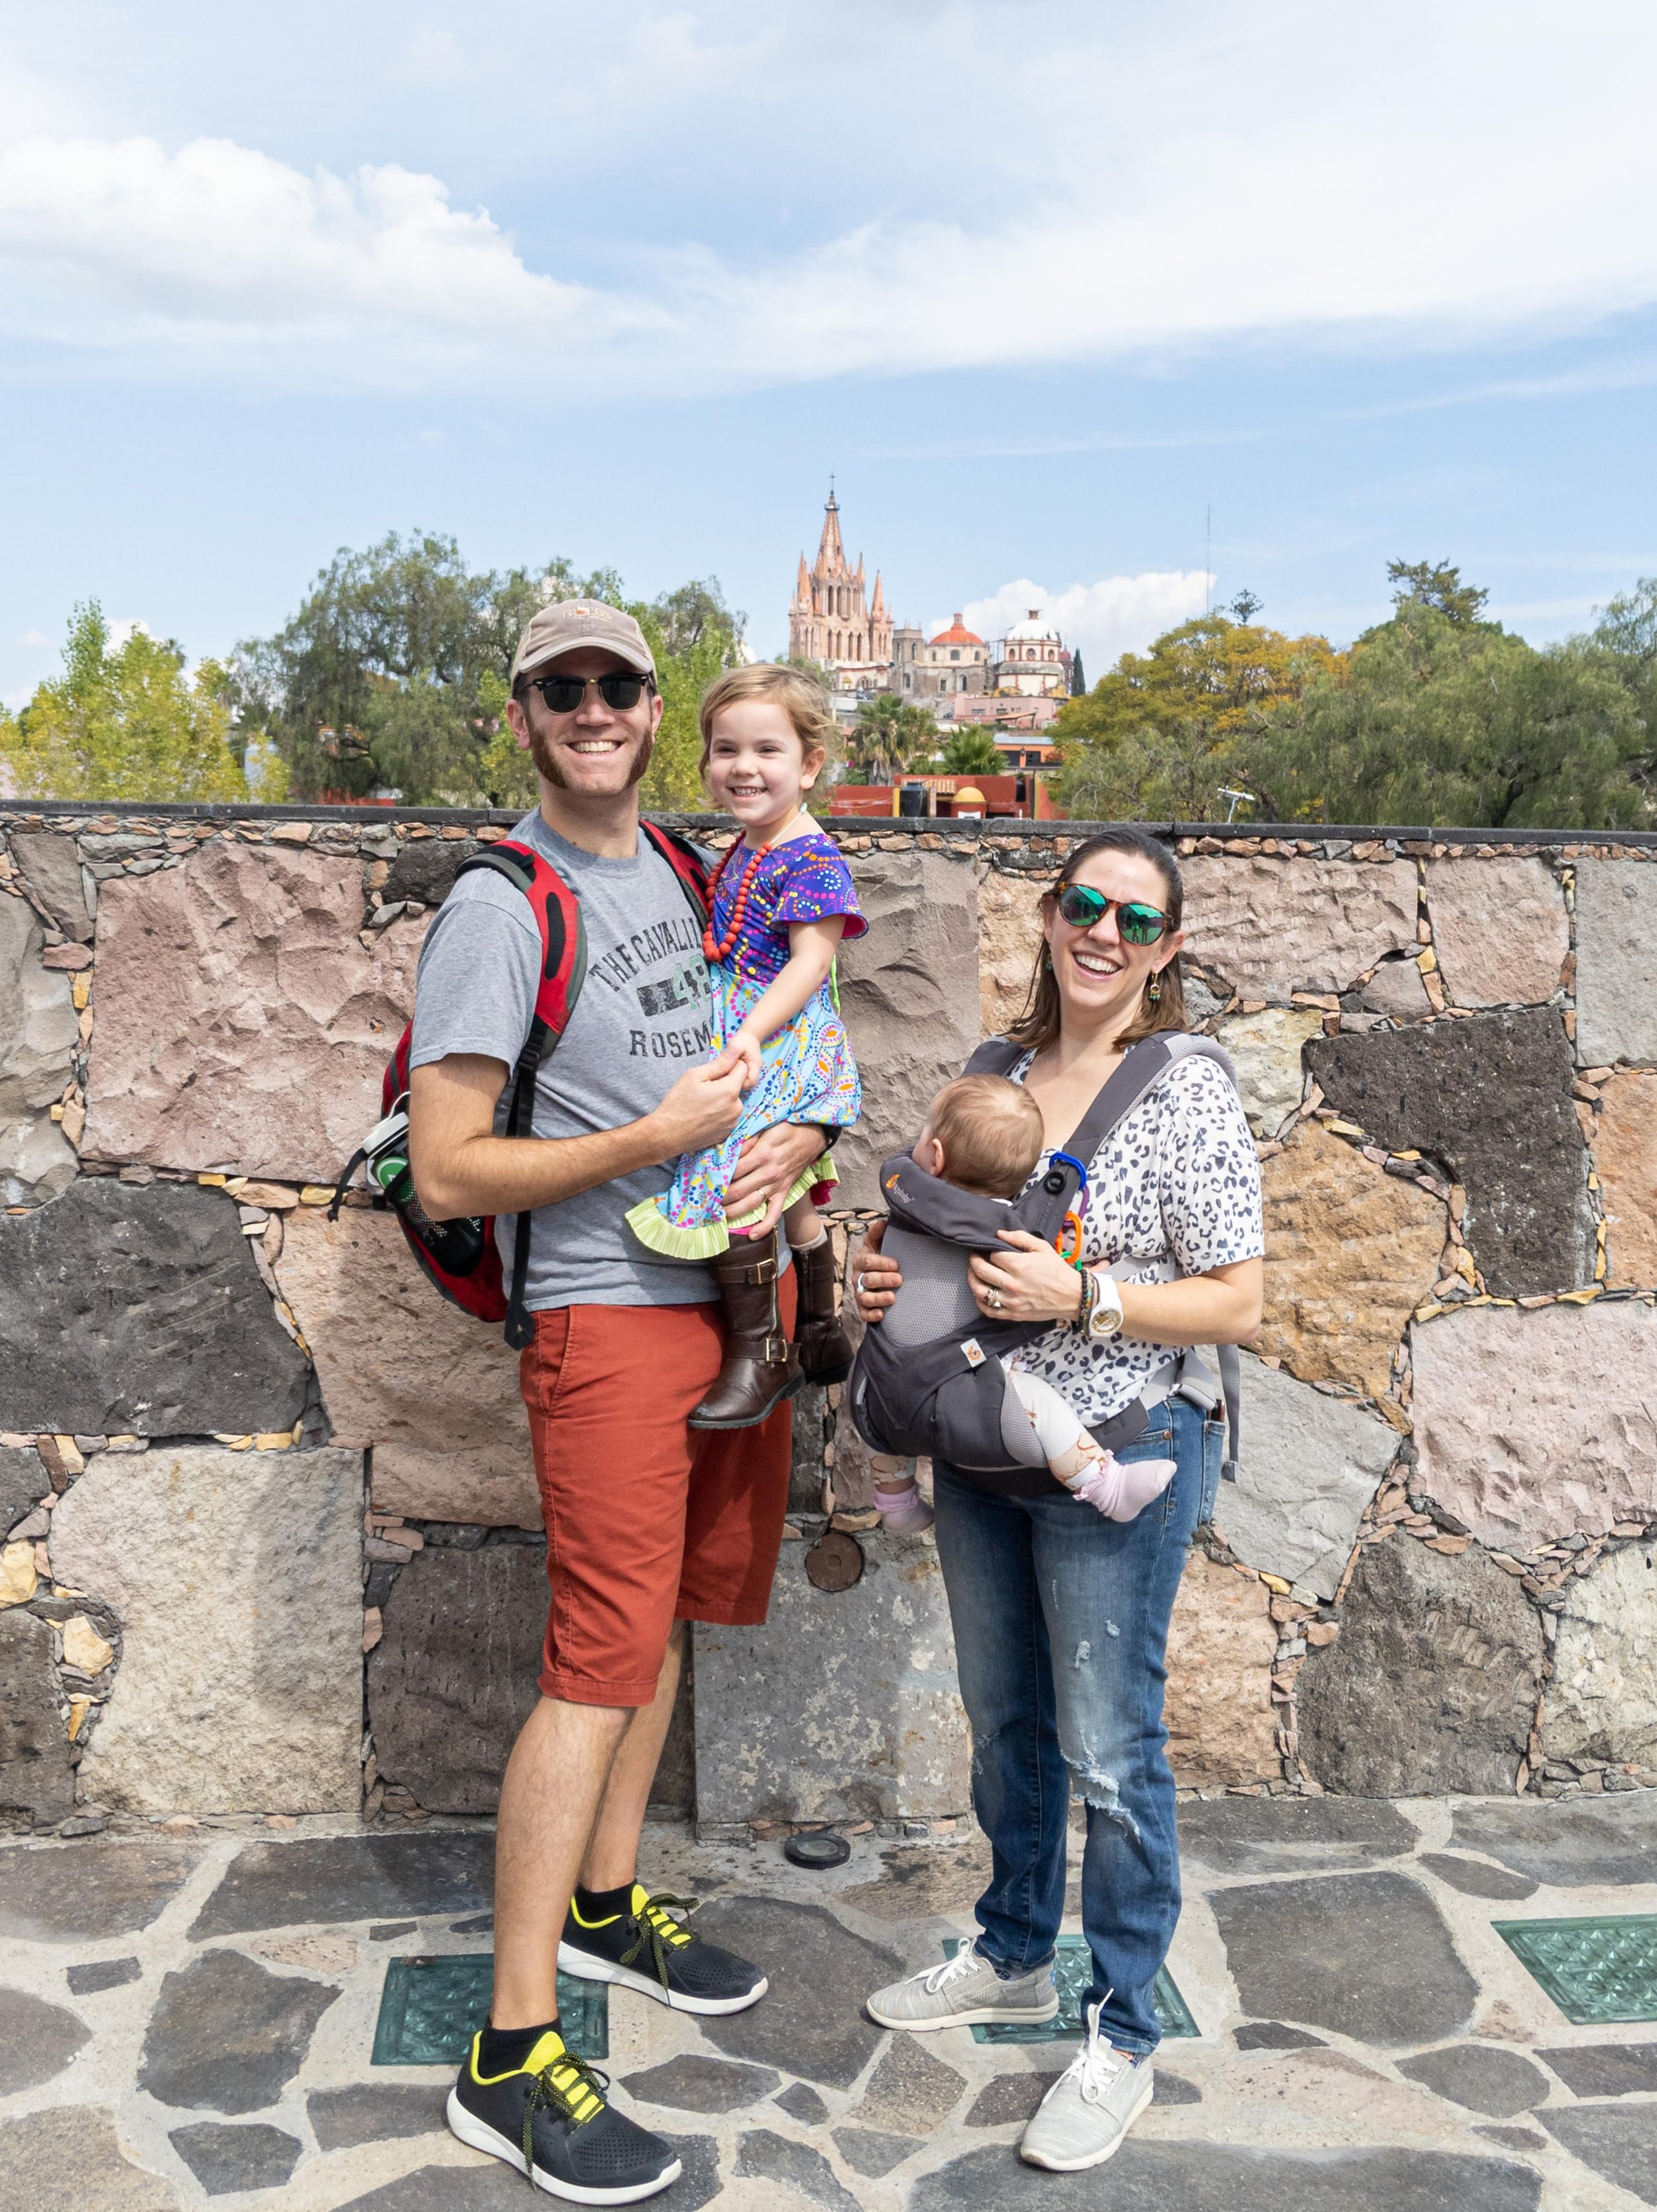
[643,1016]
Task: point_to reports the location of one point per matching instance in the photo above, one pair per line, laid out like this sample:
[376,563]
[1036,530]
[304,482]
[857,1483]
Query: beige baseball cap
[568,625]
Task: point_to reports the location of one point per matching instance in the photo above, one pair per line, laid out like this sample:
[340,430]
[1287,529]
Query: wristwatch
[1100,1317]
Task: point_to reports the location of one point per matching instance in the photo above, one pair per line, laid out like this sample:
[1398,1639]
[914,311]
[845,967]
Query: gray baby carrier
[942,1398]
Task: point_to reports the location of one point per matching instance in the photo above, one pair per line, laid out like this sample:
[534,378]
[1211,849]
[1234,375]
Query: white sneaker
[1084,2116]
[965,1989]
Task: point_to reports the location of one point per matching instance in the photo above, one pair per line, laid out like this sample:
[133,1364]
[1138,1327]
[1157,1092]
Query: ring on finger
[993,1298]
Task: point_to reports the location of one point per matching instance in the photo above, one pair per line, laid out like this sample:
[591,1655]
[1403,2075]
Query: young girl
[782,900]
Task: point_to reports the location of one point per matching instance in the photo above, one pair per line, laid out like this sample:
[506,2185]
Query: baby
[985,1135]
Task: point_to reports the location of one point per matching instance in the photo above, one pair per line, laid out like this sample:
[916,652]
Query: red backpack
[461,1256]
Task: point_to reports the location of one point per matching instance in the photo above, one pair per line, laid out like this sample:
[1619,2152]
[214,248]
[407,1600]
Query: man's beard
[546,762]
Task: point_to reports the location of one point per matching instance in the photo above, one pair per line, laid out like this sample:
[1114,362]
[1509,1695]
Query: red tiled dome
[957,634]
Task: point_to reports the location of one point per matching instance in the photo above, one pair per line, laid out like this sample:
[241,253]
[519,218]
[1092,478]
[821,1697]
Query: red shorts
[647,1521]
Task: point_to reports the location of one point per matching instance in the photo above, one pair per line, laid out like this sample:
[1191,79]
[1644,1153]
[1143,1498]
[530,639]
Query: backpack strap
[564,969]
[997,1056]
[686,863]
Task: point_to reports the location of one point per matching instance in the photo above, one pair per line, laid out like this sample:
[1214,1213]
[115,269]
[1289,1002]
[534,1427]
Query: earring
[1153,990]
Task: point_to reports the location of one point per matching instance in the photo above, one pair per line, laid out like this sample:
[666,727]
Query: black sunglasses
[563,693]
[1082,907]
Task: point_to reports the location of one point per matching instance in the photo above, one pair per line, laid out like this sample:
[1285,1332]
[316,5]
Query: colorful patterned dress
[806,1070]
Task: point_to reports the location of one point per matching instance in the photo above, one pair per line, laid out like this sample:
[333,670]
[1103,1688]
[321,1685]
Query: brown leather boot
[825,1349]
[760,1368]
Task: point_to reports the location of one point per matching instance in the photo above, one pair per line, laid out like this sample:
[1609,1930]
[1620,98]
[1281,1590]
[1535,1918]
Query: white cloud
[34,637]
[1152,184]
[1118,615]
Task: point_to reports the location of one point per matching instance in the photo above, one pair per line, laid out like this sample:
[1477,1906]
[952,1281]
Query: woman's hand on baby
[875,1280]
[1029,1282]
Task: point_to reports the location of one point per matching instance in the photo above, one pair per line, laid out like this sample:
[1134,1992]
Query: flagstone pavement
[186,2016]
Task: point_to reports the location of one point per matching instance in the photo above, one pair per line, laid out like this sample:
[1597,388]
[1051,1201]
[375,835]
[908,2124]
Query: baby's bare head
[982,1133]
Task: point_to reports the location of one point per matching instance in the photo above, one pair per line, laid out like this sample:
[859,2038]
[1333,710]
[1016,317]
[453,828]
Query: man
[648,1523]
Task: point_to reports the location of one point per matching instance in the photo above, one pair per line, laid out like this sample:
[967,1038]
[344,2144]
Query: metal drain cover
[1073,1971]
[431,2009]
[1596,1971]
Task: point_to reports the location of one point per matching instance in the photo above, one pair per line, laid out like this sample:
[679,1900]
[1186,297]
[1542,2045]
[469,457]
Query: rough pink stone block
[1499,930]
[1534,1425]
[433,1391]
[238,1021]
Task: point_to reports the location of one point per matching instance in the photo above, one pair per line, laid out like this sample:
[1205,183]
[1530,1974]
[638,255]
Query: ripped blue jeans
[1061,1621]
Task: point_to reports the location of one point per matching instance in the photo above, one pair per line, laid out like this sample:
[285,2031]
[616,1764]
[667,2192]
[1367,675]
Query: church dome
[957,634]
[1032,629]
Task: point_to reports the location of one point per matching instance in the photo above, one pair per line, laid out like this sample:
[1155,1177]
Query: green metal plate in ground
[1596,1971]
[1073,1971]
[431,2009]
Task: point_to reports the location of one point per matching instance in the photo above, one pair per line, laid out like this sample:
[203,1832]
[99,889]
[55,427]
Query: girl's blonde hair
[802,698]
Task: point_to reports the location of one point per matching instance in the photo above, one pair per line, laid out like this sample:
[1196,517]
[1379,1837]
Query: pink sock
[903,1509]
[1122,1489]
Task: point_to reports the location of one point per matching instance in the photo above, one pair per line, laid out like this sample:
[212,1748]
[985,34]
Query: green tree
[1078,679]
[1172,717]
[125,723]
[1438,585]
[973,752]
[1626,636]
[393,674]
[1438,718]
[889,735]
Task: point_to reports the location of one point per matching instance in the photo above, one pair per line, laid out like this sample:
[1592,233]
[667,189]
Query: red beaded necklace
[722,949]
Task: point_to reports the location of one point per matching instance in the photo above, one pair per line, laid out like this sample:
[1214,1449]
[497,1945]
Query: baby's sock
[1122,1489]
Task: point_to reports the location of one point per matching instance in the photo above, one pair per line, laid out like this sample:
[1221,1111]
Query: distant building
[830,620]
[953,663]
[1031,662]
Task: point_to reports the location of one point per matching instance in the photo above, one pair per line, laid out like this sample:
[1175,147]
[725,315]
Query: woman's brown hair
[1038,1026]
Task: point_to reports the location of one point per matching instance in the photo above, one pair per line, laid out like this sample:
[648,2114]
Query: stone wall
[269,1539]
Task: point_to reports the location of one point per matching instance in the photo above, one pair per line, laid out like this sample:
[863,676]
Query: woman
[1061,1616]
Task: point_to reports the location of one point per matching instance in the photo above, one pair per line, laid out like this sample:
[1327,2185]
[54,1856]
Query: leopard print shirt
[1177,1180]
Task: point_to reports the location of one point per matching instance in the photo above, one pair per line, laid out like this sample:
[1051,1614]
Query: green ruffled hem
[654,1230]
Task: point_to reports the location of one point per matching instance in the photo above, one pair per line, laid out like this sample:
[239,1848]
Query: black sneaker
[548,2119]
[647,1949]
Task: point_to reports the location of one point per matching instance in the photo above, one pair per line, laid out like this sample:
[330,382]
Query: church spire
[831,553]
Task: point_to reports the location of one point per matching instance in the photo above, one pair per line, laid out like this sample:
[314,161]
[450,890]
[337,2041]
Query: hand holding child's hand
[744,1048]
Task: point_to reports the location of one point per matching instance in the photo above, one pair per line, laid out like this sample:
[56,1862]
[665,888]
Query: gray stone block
[102,1974]
[1602,1701]
[862,1716]
[226,2159]
[1615,962]
[315,1882]
[1488,1097]
[1365,1954]
[1310,1466]
[813,2022]
[772,2157]
[1587,1845]
[226,2035]
[909,993]
[452,1678]
[111,1886]
[37,2040]
[76,2146]
[1473,1878]
[693,2083]
[373,2112]
[35,1775]
[1499,2083]
[1431,1687]
[39,1031]
[258,1706]
[1617,2141]
[1219,2177]
[425,868]
[50,866]
[23,1484]
[130,1309]
[1605,2069]
[1291,1835]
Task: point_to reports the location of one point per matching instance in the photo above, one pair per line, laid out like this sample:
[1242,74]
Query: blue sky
[1043,283]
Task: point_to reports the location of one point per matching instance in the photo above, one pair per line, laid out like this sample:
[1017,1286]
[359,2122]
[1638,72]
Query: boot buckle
[777,1348]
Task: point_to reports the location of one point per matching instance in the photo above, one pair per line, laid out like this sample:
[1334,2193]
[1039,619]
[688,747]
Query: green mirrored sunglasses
[1082,907]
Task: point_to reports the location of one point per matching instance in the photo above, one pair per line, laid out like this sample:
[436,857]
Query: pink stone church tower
[829,620]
